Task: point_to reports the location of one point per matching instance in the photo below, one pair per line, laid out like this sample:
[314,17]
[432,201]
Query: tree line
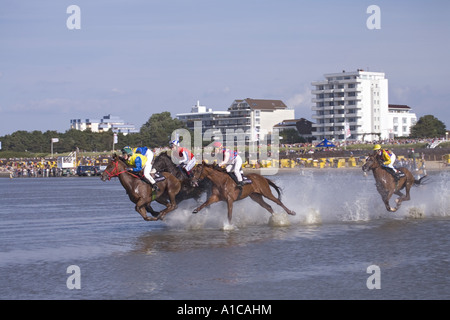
[156,132]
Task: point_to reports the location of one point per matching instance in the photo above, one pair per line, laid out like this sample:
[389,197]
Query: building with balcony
[255,117]
[108,122]
[358,98]
[211,120]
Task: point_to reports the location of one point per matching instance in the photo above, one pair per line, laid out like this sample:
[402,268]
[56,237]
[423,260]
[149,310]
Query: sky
[138,57]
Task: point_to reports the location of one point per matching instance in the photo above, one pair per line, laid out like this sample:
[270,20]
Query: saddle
[397,175]
[158,177]
[245,180]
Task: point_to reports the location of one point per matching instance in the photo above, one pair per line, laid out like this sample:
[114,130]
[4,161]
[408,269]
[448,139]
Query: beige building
[256,117]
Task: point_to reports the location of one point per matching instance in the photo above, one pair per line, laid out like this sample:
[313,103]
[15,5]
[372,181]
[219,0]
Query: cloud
[118,91]
[400,94]
[301,102]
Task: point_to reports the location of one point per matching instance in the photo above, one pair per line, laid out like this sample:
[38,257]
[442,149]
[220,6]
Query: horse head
[163,162]
[372,162]
[198,174]
[115,167]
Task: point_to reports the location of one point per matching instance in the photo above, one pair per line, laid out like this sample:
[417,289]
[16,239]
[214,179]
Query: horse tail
[277,188]
[421,181]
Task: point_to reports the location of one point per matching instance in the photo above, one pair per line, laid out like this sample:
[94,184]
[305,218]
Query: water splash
[317,198]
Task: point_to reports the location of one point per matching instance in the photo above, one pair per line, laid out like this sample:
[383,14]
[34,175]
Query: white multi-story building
[401,120]
[107,122]
[210,119]
[359,99]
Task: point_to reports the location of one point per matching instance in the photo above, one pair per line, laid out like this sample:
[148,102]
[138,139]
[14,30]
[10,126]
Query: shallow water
[341,228]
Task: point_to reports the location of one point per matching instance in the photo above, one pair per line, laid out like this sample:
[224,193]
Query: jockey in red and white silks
[231,159]
[182,156]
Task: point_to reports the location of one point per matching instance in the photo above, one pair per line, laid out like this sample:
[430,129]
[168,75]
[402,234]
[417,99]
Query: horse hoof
[195,211]
[292,213]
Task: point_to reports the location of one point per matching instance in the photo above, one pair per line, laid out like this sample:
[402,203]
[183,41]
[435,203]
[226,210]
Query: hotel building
[256,117]
[359,99]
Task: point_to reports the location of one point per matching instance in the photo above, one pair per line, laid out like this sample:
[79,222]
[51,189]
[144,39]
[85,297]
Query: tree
[156,132]
[291,136]
[428,127]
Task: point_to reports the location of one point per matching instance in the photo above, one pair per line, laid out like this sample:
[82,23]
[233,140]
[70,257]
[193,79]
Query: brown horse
[225,189]
[140,192]
[386,184]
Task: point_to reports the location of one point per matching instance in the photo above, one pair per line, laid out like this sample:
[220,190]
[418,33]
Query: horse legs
[259,199]
[230,209]
[386,198]
[270,196]
[402,197]
[149,208]
[170,206]
[212,199]
[140,207]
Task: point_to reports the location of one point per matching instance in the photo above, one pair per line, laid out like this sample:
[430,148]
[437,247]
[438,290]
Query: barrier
[446,159]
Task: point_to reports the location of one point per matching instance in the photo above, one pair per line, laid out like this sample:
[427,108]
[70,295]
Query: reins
[113,174]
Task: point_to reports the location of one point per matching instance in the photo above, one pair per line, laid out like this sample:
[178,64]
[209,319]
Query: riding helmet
[174,143]
[377,147]
[127,150]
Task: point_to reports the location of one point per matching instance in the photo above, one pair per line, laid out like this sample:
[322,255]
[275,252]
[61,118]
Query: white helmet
[174,143]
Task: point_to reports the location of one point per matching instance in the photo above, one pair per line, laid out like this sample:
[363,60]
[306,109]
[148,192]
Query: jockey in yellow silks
[388,158]
[139,159]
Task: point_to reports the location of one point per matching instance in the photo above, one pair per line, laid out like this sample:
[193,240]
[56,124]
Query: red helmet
[217,144]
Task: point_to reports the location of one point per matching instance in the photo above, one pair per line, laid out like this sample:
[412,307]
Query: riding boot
[188,174]
[395,174]
[154,185]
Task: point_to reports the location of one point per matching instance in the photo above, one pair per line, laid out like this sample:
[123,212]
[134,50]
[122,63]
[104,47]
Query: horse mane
[164,154]
[119,158]
[214,166]
[375,158]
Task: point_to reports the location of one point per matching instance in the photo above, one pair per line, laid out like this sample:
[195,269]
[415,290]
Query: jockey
[231,159]
[140,159]
[184,158]
[388,158]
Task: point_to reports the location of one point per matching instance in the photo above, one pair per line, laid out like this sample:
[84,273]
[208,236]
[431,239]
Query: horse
[140,192]
[386,183]
[225,189]
[164,163]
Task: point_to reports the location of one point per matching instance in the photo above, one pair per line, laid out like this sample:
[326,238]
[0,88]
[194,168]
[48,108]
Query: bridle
[196,178]
[374,162]
[116,172]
